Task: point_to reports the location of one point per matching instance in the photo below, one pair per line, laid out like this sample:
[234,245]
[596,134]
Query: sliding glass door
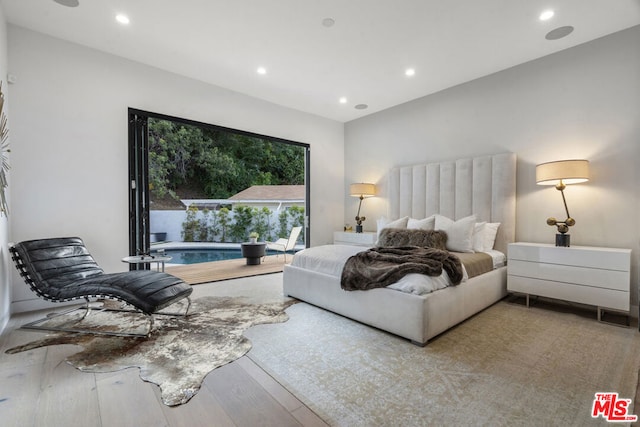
[181,165]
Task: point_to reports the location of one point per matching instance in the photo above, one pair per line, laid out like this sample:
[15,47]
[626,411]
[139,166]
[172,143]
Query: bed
[483,187]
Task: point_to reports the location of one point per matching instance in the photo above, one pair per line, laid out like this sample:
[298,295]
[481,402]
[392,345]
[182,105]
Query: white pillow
[479,236]
[490,232]
[459,233]
[422,224]
[387,223]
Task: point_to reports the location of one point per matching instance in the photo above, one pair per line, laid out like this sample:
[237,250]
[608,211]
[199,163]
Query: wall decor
[4,156]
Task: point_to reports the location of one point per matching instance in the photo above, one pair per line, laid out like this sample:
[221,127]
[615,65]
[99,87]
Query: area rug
[509,365]
[180,351]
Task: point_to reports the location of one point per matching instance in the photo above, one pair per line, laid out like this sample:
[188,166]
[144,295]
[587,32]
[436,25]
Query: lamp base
[563,240]
[358,229]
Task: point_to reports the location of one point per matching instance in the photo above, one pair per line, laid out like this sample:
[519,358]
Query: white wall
[5,261]
[582,102]
[69,135]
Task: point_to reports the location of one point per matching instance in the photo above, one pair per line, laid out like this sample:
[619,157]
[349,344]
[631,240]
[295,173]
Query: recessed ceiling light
[328,22]
[68,3]
[409,72]
[559,33]
[361,107]
[123,19]
[343,100]
[261,70]
[546,15]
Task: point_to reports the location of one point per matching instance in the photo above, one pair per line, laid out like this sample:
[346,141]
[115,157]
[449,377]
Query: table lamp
[361,190]
[562,173]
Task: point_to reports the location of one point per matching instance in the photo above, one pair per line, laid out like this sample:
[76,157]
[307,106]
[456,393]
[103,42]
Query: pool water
[195,256]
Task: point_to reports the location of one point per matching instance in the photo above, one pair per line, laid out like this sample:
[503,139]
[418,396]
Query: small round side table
[253,252]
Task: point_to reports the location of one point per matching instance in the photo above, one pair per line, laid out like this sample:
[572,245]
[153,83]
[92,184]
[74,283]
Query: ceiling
[309,66]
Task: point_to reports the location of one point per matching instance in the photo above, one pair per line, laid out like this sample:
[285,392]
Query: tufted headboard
[484,186]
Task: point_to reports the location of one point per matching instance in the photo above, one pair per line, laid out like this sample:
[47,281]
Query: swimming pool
[197,255]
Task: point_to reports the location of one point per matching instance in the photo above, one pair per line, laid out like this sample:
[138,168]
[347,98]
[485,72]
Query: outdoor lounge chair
[62,269]
[284,245]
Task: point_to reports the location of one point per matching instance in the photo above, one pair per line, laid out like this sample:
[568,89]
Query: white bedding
[330,259]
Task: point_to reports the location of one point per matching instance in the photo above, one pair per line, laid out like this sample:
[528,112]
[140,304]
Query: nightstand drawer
[600,297]
[599,278]
[580,256]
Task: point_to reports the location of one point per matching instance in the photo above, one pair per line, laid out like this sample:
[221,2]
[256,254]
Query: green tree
[288,218]
[243,218]
[203,229]
[213,229]
[296,213]
[216,163]
[170,155]
[191,225]
[216,173]
[159,164]
[261,222]
[223,222]
[283,223]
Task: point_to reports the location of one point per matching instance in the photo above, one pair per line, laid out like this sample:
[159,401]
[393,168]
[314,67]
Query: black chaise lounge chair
[62,269]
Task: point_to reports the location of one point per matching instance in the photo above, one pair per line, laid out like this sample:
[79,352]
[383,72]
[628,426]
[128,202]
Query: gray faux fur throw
[395,237]
[380,267]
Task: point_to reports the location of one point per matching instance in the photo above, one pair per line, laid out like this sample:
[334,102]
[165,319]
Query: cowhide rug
[180,351]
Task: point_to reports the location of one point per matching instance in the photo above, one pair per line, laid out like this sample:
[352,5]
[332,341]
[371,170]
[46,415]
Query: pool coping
[202,245]
[193,245]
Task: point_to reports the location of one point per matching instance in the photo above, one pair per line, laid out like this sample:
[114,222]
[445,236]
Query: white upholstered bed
[484,187]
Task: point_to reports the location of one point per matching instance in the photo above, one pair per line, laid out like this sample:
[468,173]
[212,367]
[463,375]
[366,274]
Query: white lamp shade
[567,171]
[362,189]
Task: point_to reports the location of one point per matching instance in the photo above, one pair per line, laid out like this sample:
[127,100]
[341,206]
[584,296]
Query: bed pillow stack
[467,235]
[464,235]
[383,223]
[405,223]
[484,236]
[427,223]
[460,232]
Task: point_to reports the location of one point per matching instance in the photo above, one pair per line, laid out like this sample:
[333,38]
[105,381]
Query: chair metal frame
[35,325]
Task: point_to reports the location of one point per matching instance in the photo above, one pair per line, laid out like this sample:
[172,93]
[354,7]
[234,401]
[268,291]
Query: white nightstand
[582,274]
[355,239]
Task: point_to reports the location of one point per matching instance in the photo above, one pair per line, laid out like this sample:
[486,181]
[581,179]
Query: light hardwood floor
[37,388]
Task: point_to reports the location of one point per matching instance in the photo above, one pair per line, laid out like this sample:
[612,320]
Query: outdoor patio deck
[205,272]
